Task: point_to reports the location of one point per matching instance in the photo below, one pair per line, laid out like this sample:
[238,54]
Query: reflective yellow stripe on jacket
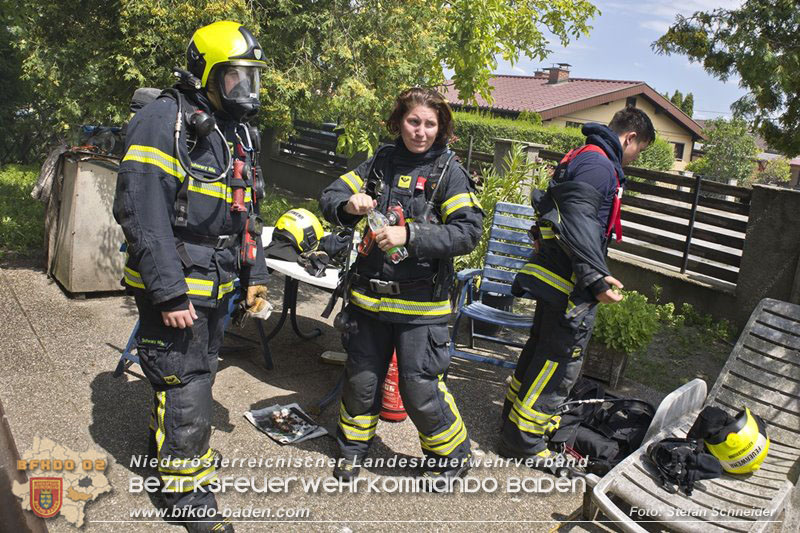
[352,180]
[549,277]
[396,305]
[454,203]
[217,190]
[197,286]
[153,156]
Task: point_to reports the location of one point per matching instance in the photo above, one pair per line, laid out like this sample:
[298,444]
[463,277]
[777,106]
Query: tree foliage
[776,172]
[688,104]
[730,152]
[340,60]
[684,103]
[760,44]
[677,99]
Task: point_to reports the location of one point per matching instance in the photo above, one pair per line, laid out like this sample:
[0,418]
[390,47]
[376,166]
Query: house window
[574,124]
[630,101]
[678,148]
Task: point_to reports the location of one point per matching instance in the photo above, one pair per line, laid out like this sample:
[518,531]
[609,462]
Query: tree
[684,103]
[340,60]
[688,104]
[22,126]
[776,172]
[677,99]
[730,152]
[760,43]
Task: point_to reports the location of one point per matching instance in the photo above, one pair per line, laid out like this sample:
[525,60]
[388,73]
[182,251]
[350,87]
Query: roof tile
[521,93]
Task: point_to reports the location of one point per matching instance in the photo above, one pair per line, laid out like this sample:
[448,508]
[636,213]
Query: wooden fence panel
[687,223]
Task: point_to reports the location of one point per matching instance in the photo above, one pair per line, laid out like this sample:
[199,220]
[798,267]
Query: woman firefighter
[399,302]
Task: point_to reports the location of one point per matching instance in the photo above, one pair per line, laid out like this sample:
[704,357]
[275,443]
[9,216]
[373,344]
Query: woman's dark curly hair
[417,96]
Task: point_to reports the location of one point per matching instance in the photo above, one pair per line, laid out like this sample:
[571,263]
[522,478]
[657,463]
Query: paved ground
[56,360]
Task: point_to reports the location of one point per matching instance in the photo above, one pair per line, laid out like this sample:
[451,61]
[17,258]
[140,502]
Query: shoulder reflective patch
[172,380]
[404,182]
[352,180]
[153,156]
[454,203]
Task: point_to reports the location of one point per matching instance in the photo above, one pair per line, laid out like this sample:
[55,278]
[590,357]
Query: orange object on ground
[392,409]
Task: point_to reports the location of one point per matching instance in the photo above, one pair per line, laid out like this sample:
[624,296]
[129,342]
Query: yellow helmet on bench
[297,231]
[742,445]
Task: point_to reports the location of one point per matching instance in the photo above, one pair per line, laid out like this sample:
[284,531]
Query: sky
[618,47]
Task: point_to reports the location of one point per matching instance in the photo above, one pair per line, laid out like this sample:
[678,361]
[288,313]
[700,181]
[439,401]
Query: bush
[21,217]
[699,166]
[484,128]
[627,326]
[776,172]
[658,156]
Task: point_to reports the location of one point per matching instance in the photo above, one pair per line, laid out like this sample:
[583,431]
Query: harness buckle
[380,286]
[223,241]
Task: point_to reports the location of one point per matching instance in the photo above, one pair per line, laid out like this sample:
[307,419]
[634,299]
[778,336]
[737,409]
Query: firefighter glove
[256,298]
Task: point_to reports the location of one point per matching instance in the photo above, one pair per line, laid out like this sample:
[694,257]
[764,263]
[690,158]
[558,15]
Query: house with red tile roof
[566,101]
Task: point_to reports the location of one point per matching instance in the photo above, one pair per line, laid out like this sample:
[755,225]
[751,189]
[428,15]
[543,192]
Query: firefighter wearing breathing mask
[186,199]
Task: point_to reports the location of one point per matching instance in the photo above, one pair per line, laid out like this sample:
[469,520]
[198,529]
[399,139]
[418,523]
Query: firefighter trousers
[422,360]
[181,365]
[547,370]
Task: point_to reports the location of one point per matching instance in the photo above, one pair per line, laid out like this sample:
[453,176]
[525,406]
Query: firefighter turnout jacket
[166,262]
[572,219]
[410,291]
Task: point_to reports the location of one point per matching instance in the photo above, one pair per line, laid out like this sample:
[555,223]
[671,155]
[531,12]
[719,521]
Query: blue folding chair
[508,251]
[128,357]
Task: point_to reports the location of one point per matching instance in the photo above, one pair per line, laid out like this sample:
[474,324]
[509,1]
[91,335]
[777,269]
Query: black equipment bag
[603,428]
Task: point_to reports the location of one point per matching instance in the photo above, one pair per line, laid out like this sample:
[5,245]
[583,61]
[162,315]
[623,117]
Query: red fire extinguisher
[392,409]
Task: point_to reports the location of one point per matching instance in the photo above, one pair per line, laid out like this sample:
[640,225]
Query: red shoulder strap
[572,154]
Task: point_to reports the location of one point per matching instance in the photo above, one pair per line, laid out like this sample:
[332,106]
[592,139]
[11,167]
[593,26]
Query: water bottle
[376,221]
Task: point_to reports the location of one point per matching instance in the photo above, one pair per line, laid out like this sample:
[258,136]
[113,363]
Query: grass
[21,217]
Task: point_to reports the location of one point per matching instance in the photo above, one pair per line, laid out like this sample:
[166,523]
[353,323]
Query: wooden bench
[762,373]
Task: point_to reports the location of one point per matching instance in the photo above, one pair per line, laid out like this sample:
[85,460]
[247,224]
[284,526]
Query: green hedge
[484,128]
[21,217]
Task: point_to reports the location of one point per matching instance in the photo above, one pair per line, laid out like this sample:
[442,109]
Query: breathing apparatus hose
[187,167]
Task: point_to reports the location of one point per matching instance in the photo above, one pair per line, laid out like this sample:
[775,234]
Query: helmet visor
[240,82]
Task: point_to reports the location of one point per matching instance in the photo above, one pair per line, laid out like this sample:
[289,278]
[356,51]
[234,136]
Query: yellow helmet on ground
[742,445]
[226,58]
[297,231]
